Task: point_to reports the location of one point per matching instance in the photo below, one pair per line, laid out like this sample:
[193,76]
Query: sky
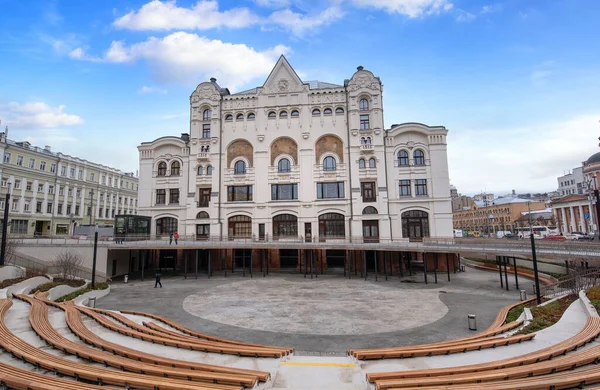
[517,83]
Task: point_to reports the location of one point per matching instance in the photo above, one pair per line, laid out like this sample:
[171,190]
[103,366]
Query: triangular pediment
[283,79]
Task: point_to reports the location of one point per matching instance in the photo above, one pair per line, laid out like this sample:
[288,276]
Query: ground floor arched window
[285,225]
[332,225]
[415,224]
[166,225]
[240,226]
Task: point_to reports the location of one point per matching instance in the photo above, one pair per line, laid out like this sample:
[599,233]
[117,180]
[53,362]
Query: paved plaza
[326,315]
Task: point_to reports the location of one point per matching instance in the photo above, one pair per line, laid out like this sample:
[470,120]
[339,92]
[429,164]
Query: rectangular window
[61,190]
[173,196]
[20,161]
[80,175]
[76,209]
[106,213]
[62,229]
[110,181]
[421,187]
[69,209]
[368,191]
[113,213]
[63,171]
[204,197]
[78,193]
[26,206]
[32,163]
[206,131]
[330,190]
[127,185]
[18,226]
[89,211]
[70,192]
[17,184]
[60,209]
[15,205]
[72,173]
[52,168]
[29,185]
[100,212]
[1,205]
[239,193]
[7,158]
[40,188]
[404,187]
[161,196]
[49,208]
[103,179]
[284,191]
[364,122]
[42,165]
[38,207]
[4,183]
[51,190]
[91,177]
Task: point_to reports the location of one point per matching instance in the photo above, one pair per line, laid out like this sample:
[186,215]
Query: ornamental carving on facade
[283,85]
[363,82]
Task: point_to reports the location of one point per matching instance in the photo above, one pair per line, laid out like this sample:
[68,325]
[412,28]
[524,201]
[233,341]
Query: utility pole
[534,257]
[5,226]
[94,257]
[91,204]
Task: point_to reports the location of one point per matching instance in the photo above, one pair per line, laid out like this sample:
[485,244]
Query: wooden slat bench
[100,375]
[19,379]
[76,325]
[38,318]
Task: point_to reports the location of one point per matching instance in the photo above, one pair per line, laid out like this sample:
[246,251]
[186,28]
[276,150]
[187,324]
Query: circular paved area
[321,307]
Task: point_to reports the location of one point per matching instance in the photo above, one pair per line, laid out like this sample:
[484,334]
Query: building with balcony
[297,160]
[52,192]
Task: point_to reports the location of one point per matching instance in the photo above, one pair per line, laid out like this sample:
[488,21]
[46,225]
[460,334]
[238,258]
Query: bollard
[126,279]
[523,295]
[462,268]
[472,321]
[92,302]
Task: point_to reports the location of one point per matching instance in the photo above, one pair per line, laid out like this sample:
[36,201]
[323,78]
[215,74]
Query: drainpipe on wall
[385,163]
[349,159]
[220,170]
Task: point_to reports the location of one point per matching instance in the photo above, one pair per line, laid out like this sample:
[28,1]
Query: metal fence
[572,284]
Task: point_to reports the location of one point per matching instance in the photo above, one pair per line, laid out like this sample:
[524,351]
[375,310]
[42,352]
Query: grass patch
[514,313]
[593,295]
[81,291]
[9,282]
[58,282]
[548,315]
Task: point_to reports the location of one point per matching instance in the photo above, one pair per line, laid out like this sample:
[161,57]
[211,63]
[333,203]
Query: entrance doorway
[335,258]
[167,259]
[415,225]
[370,231]
[39,228]
[288,258]
[242,257]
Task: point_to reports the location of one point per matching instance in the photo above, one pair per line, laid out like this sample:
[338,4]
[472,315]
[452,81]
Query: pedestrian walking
[157,279]
[176,237]
[170,238]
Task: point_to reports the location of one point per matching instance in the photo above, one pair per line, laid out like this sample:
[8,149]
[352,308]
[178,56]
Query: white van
[458,233]
[502,233]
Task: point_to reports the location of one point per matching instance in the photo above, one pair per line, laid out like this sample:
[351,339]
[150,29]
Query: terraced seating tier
[38,318]
[19,379]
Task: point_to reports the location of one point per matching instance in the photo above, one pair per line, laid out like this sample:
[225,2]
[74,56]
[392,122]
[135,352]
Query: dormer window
[272,115]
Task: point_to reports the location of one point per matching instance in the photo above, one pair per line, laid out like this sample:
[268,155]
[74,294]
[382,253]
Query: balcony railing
[411,163]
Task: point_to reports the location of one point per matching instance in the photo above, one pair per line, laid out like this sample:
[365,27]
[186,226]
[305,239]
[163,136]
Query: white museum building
[292,159]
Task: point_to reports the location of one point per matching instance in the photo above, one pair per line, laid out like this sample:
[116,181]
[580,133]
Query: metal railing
[572,283]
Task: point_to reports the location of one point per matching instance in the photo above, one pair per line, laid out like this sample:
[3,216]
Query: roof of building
[545,211]
[594,158]
[314,84]
[537,215]
[501,201]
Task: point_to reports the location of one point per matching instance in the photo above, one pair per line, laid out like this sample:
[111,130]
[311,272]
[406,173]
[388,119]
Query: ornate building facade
[297,160]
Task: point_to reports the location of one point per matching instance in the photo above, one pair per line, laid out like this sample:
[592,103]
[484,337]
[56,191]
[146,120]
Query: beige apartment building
[51,193]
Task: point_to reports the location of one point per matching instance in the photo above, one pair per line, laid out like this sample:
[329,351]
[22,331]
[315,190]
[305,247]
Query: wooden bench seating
[497,327]
[207,346]
[590,331]
[19,379]
[80,371]
[38,318]
[76,325]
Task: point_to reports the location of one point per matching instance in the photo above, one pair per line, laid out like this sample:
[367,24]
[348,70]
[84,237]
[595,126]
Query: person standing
[170,238]
[157,279]
[176,237]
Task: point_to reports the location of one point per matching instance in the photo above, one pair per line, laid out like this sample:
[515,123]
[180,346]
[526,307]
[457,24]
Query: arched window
[363,105]
[363,140]
[175,168]
[283,114]
[369,210]
[295,114]
[202,215]
[339,110]
[285,225]
[332,225]
[316,112]
[361,163]
[327,111]
[206,114]
[402,157]
[372,163]
[200,169]
[419,157]
[162,169]
[272,115]
[228,117]
[329,164]
[209,170]
[239,168]
[240,226]
[207,148]
[166,225]
[239,117]
[284,166]
[368,140]
[251,116]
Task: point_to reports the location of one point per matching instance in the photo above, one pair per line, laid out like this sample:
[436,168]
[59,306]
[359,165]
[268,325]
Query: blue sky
[517,83]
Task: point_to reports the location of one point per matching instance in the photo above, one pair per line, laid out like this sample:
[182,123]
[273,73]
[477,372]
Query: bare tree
[580,276]
[12,247]
[68,263]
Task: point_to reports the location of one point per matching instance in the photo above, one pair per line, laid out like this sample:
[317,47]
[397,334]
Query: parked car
[512,236]
[554,237]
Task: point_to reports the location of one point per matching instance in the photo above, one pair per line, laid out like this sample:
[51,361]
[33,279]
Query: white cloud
[410,8]
[273,3]
[464,16]
[186,58]
[37,114]
[146,89]
[299,24]
[527,158]
[204,15]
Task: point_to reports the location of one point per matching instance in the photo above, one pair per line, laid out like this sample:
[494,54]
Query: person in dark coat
[170,238]
[157,279]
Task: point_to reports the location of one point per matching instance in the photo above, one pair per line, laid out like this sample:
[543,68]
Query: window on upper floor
[239,168]
[283,114]
[31,163]
[339,111]
[200,170]
[53,168]
[251,116]
[419,157]
[284,166]
[162,171]
[361,163]
[327,111]
[239,193]
[364,122]
[272,115]
[174,196]
[206,130]
[42,165]
[206,114]
[404,186]
[367,190]
[295,114]
[6,157]
[329,164]
[363,105]
[209,170]
[284,191]
[175,168]
[372,162]
[402,158]
[161,196]
[330,190]
[316,112]
[421,187]
[239,117]
[228,117]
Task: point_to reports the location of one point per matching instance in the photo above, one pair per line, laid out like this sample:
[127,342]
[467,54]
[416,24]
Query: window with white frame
[6,157]
[52,168]
[42,165]
[20,161]
[40,188]
[32,163]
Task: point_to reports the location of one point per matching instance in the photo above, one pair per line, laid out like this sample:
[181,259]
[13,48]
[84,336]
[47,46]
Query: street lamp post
[534,257]
[5,226]
[94,258]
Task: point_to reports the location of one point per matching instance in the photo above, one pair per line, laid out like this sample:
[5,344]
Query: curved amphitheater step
[319,373]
